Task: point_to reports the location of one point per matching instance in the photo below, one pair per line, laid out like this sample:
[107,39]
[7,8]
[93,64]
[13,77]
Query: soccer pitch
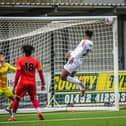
[95,118]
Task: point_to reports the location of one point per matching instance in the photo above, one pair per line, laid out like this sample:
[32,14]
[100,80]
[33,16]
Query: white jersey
[82,49]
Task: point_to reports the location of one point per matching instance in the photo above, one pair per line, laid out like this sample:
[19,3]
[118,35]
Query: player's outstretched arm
[16,80]
[12,68]
[42,79]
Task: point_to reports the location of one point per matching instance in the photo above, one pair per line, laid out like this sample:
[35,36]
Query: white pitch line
[70,119]
[51,113]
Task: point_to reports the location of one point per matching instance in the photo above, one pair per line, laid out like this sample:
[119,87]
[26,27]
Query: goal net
[52,37]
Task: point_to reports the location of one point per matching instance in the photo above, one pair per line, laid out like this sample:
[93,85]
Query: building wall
[64,1]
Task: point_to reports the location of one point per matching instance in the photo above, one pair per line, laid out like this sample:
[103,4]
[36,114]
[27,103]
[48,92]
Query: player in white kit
[75,60]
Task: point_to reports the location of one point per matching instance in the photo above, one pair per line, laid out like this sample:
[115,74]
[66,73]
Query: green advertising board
[99,88]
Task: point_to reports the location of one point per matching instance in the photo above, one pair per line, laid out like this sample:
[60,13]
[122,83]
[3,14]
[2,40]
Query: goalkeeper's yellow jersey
[3,74]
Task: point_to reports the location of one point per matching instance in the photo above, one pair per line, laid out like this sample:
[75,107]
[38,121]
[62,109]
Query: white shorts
[72,67]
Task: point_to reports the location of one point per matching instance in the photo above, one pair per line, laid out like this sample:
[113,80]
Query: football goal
[52,37]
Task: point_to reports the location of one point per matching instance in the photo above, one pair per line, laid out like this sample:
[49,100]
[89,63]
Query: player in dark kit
[26,66]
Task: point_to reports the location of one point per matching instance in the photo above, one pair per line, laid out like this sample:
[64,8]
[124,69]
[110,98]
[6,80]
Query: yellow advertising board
[93,82]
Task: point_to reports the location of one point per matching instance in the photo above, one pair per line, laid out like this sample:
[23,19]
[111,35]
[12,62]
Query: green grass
[95,118]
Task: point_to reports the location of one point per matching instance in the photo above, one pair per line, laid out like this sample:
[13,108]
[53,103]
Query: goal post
[52,37]
[115,46]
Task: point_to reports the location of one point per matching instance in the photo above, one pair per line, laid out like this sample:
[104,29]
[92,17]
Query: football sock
[36,104]
[15,107]
[76,81]
[38,109]
[10,105]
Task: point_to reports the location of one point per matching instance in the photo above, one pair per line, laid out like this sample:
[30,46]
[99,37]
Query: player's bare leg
[14,109]
[9,108]
[64,75]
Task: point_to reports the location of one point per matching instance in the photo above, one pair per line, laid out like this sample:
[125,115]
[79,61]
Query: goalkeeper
[75,61]
[4,89]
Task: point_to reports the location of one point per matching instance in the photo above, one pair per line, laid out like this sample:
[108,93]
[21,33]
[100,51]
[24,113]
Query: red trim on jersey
[39,68]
